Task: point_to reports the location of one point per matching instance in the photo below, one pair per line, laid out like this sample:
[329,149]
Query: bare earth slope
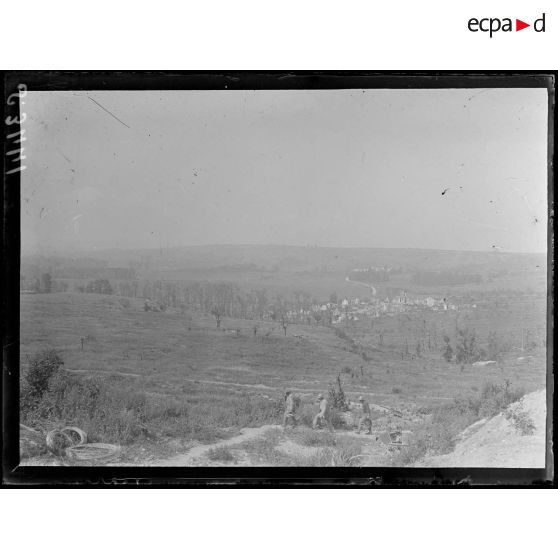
[515,438]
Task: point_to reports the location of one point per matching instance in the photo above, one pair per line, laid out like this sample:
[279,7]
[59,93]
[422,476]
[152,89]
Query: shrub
[466,350]
[342,334]
[315,438]
[494,398]
[99,286]
[107,413]
[41,369]
[254,411]
[337,398]
[447,353]
[264,450]
[347,453]
[496,347]
[521,421]
[220,453]
[438,436]
[337,421]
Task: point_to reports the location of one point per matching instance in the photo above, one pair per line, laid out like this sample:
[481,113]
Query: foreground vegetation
[437,434]
[52,397]
[110,412]
[155,380]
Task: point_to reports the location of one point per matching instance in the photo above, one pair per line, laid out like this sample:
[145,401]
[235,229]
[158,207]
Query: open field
[175,379]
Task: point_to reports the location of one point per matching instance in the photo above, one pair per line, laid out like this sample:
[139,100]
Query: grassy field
[167,380]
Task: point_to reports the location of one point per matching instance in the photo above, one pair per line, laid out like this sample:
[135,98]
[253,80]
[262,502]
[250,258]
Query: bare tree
[217,312]
[284,323]
[261,302]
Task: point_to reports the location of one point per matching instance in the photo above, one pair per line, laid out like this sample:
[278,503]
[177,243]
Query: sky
[444,169]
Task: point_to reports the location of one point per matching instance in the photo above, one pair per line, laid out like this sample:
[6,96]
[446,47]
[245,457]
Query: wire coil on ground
[90,452]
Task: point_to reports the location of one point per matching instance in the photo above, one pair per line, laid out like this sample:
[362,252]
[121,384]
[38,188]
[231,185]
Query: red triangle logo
[519,25]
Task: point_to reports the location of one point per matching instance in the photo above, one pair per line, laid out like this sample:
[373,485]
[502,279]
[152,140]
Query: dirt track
[309,390]
[196,455]
[495,442]
[187,459]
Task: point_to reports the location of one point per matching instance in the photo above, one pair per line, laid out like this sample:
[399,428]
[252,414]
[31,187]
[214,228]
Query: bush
[521,421]
[41,369]
[438,436]
[315,438]
[466,349]
[494,398]
[220,453]
[447,353]
[337,421]
[107,413]
[496,347]
[264,450]
[99,286]
[337,398]
[346,453]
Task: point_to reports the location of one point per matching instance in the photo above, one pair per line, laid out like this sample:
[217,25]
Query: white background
[278,523]
[272,34]
[249,34]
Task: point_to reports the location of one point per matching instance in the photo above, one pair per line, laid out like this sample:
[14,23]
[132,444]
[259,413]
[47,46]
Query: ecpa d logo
[492,25]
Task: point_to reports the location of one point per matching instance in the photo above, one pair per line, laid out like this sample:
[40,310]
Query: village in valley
[359,309]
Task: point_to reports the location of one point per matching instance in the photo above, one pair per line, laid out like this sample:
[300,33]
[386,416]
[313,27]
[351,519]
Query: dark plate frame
[277,477]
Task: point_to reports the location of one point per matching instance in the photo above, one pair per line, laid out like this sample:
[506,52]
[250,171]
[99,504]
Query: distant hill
[300,258]
[319,271]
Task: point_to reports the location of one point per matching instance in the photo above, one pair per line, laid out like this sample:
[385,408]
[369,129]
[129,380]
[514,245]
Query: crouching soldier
[289,418]
[365,422]
[322,419]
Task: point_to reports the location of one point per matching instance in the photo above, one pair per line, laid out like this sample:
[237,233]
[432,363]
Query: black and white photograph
[309,277]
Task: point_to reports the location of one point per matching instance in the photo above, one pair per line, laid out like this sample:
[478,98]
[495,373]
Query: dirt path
[367,285]
[188,458]
[309,390]
[196,455]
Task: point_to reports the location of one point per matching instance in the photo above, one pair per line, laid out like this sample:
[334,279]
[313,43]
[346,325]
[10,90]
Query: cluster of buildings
[357,309]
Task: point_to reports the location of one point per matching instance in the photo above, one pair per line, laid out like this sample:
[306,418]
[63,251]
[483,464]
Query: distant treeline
[225,298]
[111,273]
[437,278]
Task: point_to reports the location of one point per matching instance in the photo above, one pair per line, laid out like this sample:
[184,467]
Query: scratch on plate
[108,111]
[62,153]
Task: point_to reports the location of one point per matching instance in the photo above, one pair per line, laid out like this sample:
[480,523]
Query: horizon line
[52,251]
